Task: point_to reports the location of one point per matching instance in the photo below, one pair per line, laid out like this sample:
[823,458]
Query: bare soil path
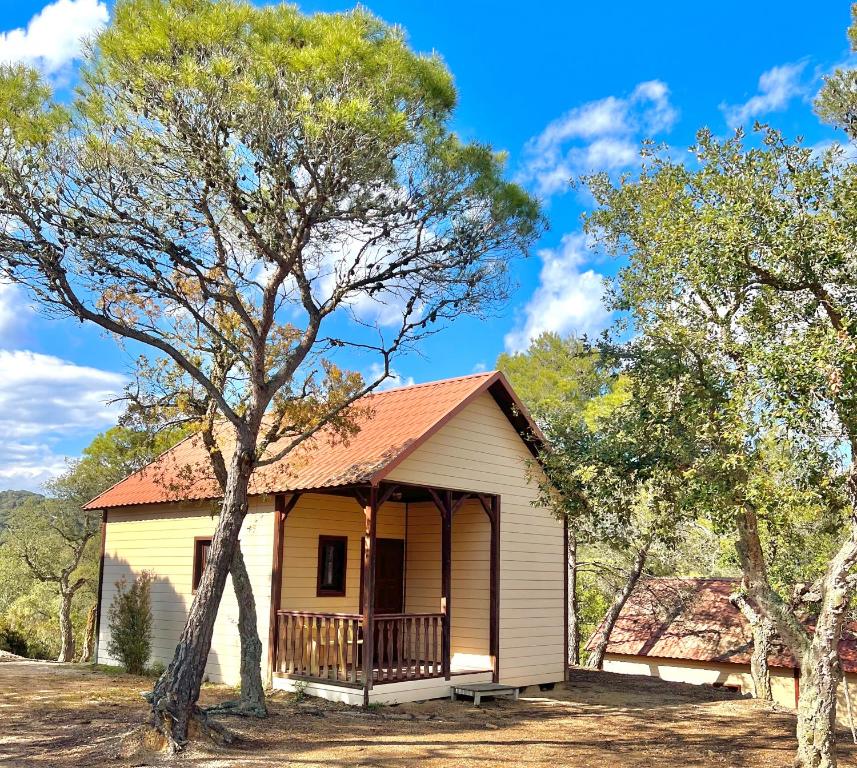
[66,716]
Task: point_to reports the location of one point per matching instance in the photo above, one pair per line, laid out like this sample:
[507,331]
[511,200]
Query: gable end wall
[479,450]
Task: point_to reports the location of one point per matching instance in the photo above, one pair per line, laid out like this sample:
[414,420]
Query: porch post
[370,512]
[494,641]
[446,580]
[281,512]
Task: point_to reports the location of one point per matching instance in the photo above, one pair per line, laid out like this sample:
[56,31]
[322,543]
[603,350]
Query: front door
[389,576]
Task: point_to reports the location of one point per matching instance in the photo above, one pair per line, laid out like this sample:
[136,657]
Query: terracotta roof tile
[396,421]
[675,618]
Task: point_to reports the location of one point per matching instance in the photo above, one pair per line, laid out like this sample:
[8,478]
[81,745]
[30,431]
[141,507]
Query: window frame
[200,553]
[323,541]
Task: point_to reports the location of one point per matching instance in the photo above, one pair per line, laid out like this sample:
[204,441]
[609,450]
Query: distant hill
[10,500]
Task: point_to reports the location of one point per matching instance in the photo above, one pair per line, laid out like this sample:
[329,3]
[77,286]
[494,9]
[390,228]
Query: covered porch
[384,593]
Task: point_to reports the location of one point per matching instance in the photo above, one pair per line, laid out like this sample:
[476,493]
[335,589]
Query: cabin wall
[470,632]
[479,450]
[423,559]
[317,515]
[471,577]
[160,538]
[783,682]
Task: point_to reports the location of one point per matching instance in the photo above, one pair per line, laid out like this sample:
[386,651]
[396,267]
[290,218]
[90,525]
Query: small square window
[201,548]
[332,556]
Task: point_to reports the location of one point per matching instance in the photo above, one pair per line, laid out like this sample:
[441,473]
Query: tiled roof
[391,425]
[693,619]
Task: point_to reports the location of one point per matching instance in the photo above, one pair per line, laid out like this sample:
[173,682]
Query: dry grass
[63,716]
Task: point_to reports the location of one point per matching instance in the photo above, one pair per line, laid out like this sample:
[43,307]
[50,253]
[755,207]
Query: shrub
[130,622]
[13,641]
[156,669]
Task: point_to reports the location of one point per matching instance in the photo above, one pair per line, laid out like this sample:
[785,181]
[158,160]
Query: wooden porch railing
[323,645]
[329,646]
[408,646]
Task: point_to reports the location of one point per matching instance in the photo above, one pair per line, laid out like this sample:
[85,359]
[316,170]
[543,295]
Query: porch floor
[381,676]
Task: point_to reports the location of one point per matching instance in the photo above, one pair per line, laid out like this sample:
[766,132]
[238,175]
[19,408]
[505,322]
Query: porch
[364,584]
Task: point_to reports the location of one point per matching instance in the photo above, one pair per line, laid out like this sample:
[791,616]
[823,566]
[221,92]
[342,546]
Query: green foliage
[10,500]
[557,378]
[50,543]
[13,641]
[739,285]
[267,169]
[156,669]
[130,622]
[837,100]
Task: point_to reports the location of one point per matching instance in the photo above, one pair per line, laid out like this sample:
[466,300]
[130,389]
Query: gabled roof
[683,618]
[395,423]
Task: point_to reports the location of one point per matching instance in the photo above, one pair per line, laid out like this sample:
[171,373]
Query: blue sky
[563,87]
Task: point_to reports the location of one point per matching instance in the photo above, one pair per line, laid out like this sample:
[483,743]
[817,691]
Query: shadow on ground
[63,716]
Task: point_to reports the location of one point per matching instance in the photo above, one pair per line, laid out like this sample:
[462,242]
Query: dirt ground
[63,716]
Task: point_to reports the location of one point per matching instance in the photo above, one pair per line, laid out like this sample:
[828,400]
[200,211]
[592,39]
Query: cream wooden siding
[161,539]
[471,577]
[422,568]
[326,515]
[479,450]
[471,588]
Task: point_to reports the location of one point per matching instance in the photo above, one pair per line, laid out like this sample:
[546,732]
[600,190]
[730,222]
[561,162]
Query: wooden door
[389,576]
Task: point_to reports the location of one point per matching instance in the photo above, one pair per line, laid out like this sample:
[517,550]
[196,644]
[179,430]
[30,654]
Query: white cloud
[28,466]
[602,135]
[567,299]
[43,400]
[395,379]
[13,313]
[777,87]
[53,37]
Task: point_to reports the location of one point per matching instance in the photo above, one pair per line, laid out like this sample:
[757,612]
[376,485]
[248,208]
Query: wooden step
[477,690]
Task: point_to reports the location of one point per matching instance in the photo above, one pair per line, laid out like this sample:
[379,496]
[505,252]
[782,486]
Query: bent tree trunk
[252,699]
[573,619]
[176,692]
[602,635]
[89,636]
[252,690]
[66,629]
[763,632]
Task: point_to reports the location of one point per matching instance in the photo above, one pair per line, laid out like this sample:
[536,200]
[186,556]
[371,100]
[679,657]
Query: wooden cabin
[383,567]
[687,630]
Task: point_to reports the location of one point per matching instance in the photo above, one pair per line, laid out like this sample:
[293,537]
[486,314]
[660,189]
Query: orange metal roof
[394,424]
[676,618]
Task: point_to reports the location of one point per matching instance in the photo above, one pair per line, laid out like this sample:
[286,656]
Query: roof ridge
[436,382]
[693,578]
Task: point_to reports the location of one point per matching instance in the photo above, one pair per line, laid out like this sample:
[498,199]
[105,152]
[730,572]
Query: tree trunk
[176,692]
[763,631]
[820,674]
[66,629]
[252,698]
[252,690]
[602,635]
[817,652]
[573,608]
[89,637]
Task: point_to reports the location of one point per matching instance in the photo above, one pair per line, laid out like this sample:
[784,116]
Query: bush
[130,622]
[13,641]
[156,669]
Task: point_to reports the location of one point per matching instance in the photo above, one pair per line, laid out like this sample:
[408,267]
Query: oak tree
[740,286]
